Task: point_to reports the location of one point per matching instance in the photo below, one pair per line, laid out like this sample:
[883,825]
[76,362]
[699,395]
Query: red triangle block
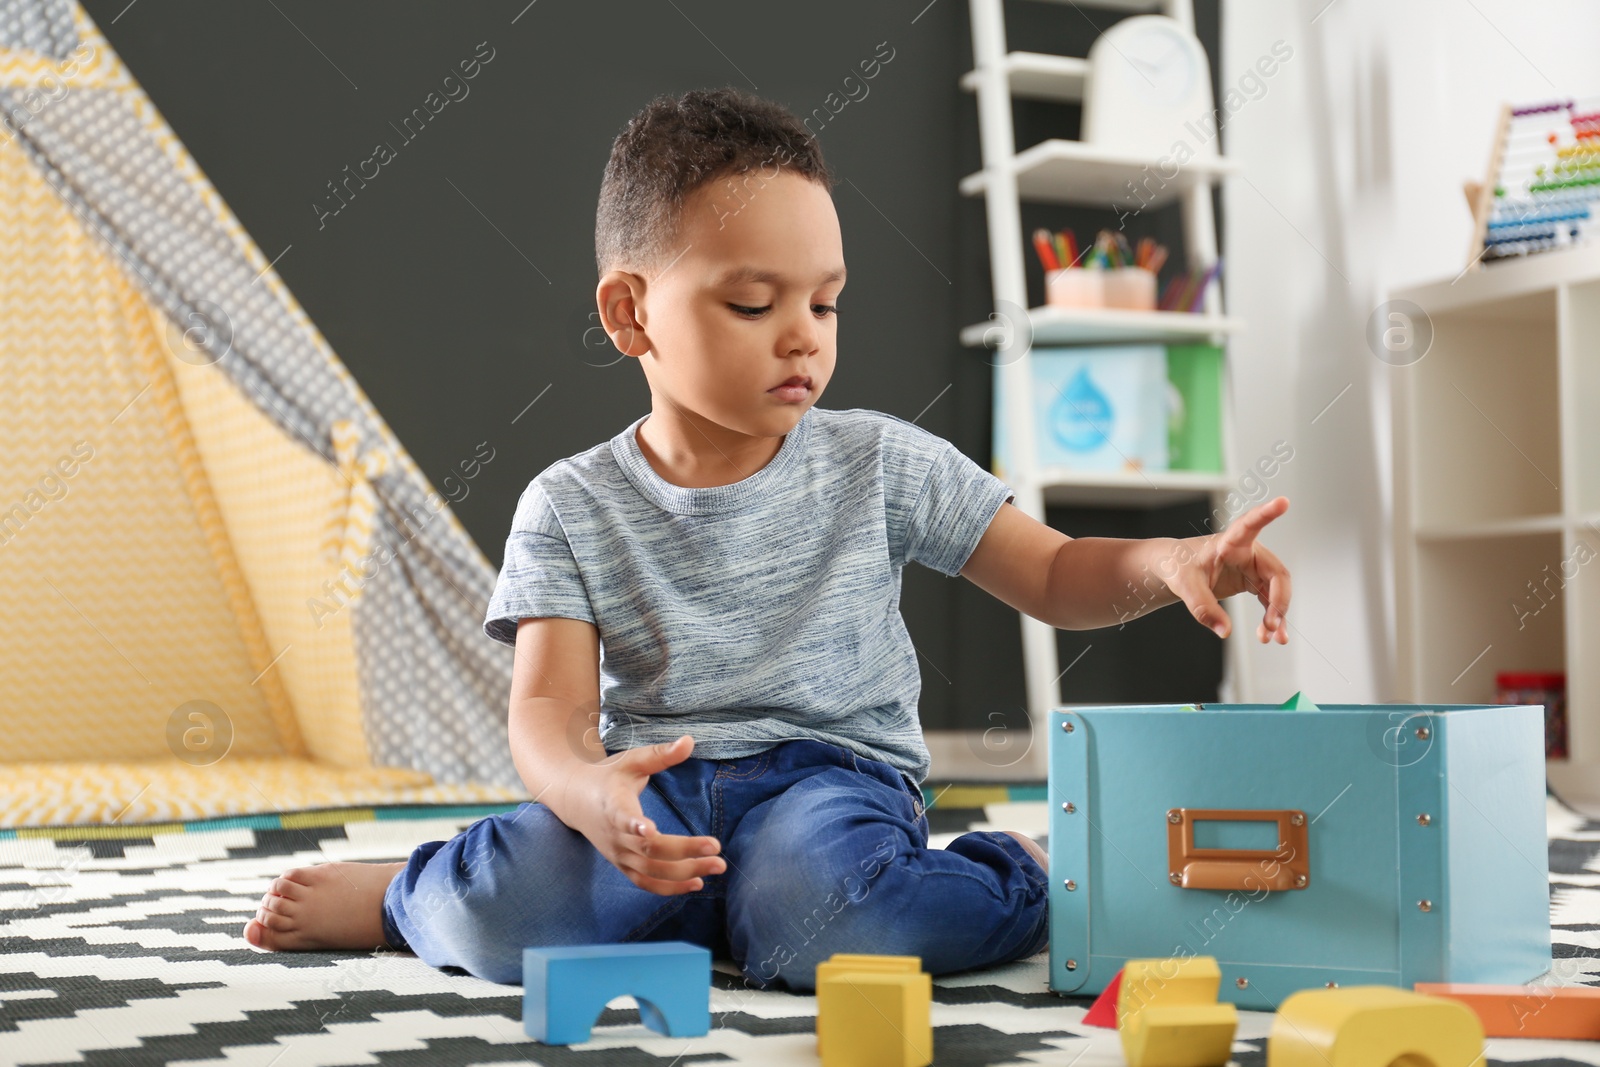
[1103,1012]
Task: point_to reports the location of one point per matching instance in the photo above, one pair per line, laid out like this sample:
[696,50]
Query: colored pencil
[1205,281]
[1168,293]
[1047,253]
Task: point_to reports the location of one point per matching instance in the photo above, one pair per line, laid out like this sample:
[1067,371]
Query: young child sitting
[714,701]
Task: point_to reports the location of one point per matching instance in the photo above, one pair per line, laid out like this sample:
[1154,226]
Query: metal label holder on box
[1403,843]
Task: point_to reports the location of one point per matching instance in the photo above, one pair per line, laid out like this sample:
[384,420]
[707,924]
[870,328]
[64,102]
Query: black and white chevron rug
[121,946]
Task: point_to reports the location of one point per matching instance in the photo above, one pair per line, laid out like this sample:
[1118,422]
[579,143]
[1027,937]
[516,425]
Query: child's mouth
[791,392]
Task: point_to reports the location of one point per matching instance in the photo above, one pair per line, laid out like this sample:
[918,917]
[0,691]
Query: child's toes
[286,886]
[278,913]
[259,934]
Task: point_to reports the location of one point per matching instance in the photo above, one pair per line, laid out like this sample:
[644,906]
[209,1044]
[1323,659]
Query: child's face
[718,344]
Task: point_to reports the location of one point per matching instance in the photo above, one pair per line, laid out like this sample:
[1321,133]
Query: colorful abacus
[1543,185]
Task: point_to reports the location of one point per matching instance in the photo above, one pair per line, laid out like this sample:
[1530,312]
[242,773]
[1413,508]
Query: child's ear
[618,296]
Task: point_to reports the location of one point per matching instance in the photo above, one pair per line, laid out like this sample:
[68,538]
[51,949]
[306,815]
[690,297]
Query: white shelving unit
[1065,171]
[1496,481]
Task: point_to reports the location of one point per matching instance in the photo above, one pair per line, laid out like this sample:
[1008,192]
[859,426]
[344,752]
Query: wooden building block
[1177,980]
[1367,1026]
[840,962]
[1186,1035]
[1168,1014]
[1103,1012]
[875,1018]
[1561,1012]
[566,986]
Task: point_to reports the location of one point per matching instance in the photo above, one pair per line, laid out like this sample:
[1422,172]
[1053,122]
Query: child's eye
[821,309]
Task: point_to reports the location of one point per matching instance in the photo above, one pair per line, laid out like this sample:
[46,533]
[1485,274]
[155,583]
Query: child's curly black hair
[673,147]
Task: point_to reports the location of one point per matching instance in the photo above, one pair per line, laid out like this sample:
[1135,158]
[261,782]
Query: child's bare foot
[331,905]
[1033,848]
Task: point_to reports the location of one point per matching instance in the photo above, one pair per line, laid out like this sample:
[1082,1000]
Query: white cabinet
[1497,491]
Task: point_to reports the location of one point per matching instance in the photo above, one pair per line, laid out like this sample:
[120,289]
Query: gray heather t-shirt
[752,613]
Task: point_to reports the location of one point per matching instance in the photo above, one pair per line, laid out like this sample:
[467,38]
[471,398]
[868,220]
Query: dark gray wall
[458,283]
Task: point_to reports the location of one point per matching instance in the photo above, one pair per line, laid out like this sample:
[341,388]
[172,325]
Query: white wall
[1353,159]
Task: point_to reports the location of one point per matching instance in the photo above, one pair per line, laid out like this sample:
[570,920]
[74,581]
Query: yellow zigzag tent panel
[227,587]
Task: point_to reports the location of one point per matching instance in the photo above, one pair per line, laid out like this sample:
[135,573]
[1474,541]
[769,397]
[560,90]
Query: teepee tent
[226,588]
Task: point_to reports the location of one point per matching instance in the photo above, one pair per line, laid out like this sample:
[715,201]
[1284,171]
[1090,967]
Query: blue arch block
[566,986]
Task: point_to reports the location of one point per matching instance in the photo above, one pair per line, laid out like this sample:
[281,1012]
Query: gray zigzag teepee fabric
[43,26]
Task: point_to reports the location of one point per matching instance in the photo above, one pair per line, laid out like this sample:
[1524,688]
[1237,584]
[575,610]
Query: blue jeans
[827,851]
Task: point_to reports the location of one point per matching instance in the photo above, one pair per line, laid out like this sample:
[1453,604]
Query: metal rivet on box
[1425,905]
[1072,965]
[1297,819]
[1424,819]
[1242,982]
[1174,816]
[1066,727]
[1071,885]
[1423,733]
[1300,881]
[1069,807]
[1175,878]
[1333,985]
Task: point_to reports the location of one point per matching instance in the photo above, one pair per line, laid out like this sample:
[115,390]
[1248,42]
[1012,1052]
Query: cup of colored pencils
[1066,283]
[1111,274]
[1130,279]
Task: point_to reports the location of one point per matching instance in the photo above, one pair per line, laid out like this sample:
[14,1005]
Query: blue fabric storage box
[1352,844]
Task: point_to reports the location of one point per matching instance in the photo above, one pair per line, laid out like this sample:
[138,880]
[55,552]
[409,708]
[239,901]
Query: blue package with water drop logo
[1100,408]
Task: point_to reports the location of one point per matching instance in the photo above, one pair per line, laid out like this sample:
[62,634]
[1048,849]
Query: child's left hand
[1213,567]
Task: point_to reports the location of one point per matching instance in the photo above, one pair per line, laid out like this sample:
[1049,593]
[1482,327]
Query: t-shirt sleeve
[952,508]
[540,576]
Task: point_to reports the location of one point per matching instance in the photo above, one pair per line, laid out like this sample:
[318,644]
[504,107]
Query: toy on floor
[874,1011]
[840,962]
[1168,1014]
[1360,1026]
[1103,1012]
[1563,1012]
[1368,864]
[566,986]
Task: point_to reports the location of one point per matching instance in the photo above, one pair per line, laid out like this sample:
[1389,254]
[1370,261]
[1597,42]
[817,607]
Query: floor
[123,949]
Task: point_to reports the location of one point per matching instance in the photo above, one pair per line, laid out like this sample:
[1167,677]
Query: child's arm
[553,725]
[1087,582]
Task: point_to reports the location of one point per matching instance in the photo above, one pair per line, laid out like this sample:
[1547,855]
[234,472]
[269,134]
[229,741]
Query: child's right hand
[609,815]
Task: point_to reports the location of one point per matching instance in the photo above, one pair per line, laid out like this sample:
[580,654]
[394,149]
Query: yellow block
[1369,1026]
[841,962]
[1168,1014]
[876,1018]
[1192,1035]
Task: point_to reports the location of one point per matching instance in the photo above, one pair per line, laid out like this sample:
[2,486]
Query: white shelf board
[1074,172]
[1147,489]
[1077,326]
[1039,76]
[1520,526]
[1531,276]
